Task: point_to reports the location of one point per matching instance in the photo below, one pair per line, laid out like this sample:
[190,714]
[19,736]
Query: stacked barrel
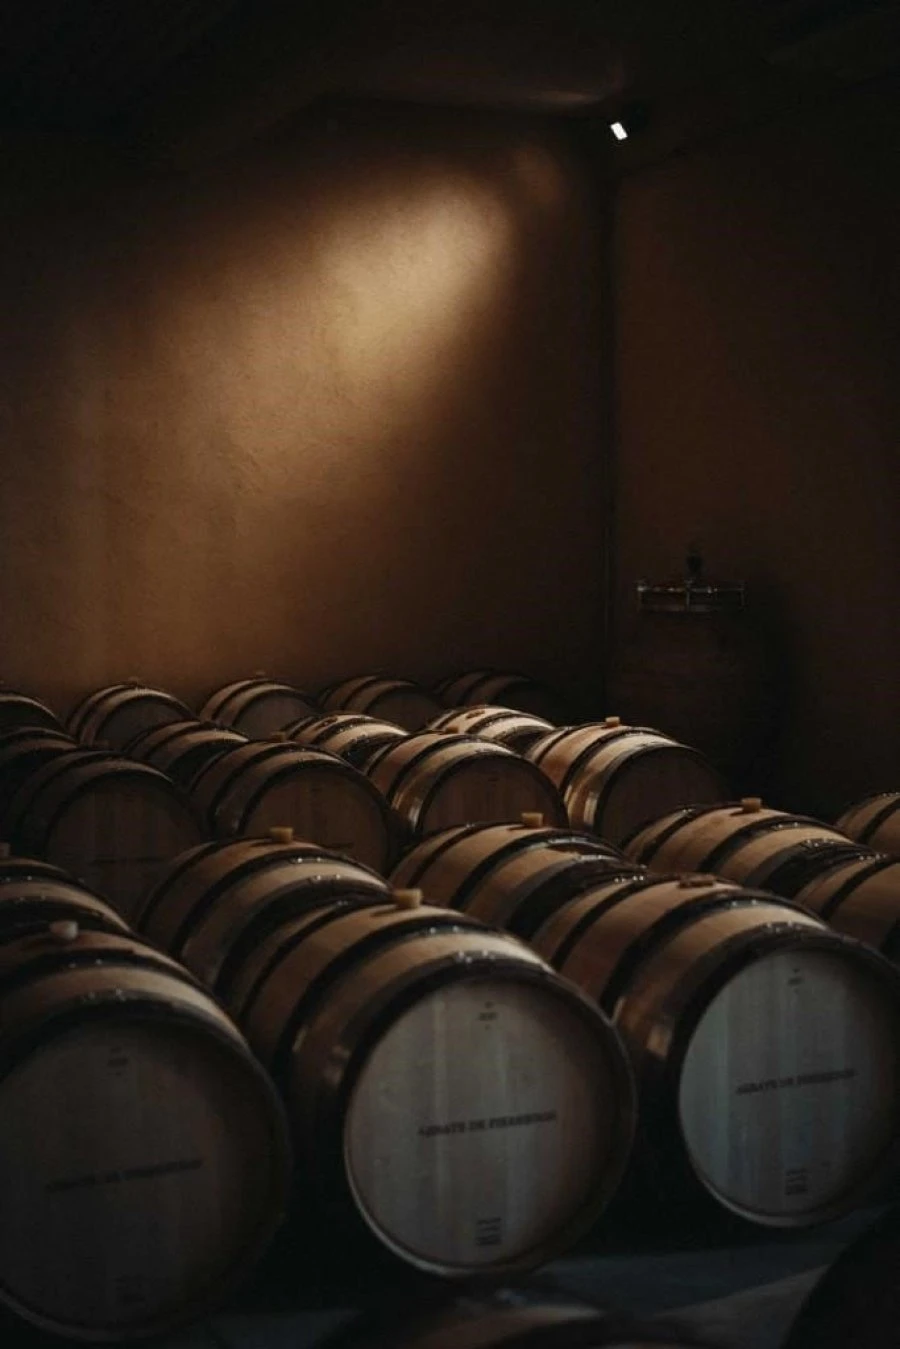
[448,1093]
[765,1045]
[144,1156]
[476,954]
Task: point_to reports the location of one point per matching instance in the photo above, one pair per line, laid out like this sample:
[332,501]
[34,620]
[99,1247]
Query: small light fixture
[618,131]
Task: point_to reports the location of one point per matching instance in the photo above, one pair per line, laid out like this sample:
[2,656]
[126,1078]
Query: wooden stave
[317,1088]
[127,703]
[366,735]
[516,730]
[242,795]
[468,869]
[508,688]
[861,899]
[875,822]
[80,710]
[21,752]
[130,980]
[599,803]
[202,914]
[562,753]
[213,780]
[20,710]
[52,792]
[410,783]
[590,762]
[658,1060]
[765,848]
[373,695]
[181,749]
[43,774]
[236,704]
[34,894]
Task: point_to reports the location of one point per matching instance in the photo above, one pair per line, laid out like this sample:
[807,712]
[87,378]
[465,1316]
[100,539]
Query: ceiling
[185,78]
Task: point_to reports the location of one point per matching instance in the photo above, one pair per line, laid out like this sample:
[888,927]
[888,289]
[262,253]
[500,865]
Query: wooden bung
[281,833]
[407,899]
[532,819]
[751,804]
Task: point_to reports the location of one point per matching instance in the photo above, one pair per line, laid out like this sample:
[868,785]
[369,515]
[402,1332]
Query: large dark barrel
[855,1304]
[432,1101]
[875,822]
[257,707]
[746,842]
[503,688]
[258,786]
[219,901]
[116,714]
[143,1153]
[516,730]
[509,875]
[18,709]
[514,1318]
[767,1047]
[614,778]
[396,700]
[352,735]
[111,822]
[182,748]
[436,781]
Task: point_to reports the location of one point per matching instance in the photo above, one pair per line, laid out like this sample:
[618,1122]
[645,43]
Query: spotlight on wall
[630,120]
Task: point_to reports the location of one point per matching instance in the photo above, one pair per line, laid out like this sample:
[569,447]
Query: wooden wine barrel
[400,701]
[508,875]
[253,787]
[503,688]
[34,894]
[856,1301]
[111,822]
[875,822]
[614,778]
[143,1153]
[18,710]
[352,735]
[216,903]
[182,748]
[745,842]
[766,1047]
[436,781]
[507,1318]
[482,1161]
[860,898]
[257,707]
[115,715]
[24,750]
[516,730]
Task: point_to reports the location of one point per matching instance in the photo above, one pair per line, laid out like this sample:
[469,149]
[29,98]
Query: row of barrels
[846,883]
[358,999]
[259,705]
[144,1159]
[761,1045]
[765,1045]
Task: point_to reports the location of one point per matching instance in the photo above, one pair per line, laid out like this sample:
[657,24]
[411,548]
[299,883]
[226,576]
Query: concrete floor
[742,1292]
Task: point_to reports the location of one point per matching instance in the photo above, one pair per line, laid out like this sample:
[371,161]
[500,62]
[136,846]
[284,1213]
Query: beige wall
[329,409]
[759,407]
